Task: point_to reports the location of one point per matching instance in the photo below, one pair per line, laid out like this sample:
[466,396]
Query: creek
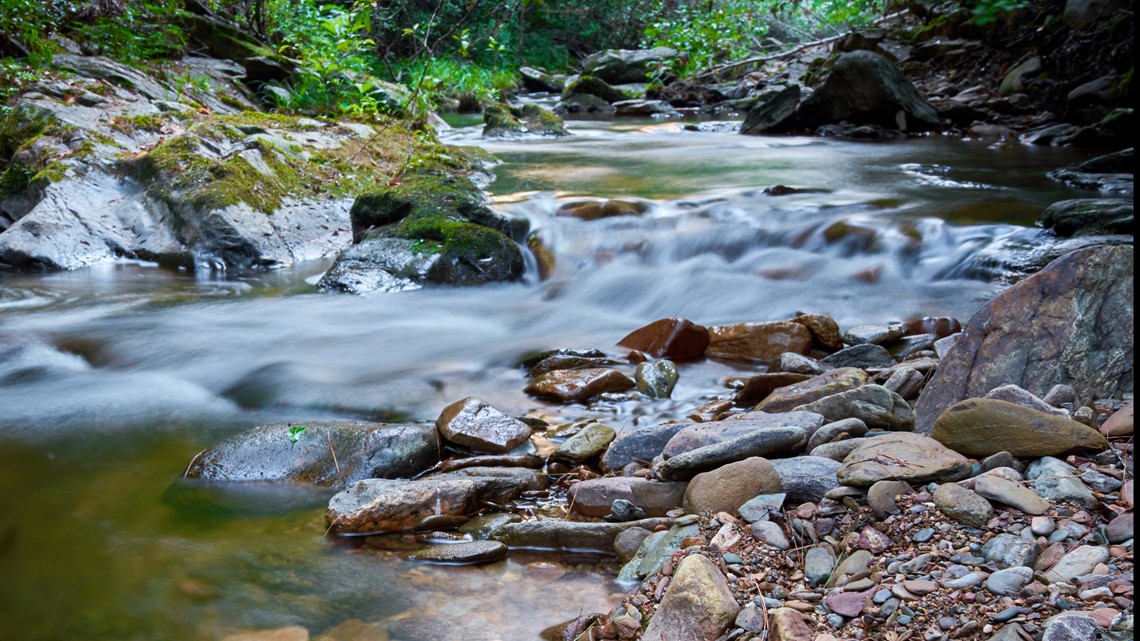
[112,378]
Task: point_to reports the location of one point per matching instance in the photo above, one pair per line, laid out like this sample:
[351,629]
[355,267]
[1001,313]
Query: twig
[329,440]
[191,463]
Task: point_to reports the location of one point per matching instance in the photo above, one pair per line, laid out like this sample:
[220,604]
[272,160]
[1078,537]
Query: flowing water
[112,378]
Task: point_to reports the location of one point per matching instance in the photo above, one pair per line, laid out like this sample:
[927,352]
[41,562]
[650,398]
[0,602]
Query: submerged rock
[463,553]
[578,385]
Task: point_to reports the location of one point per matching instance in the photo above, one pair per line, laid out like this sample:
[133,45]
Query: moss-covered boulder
[504,121]
[594,87]
[1088,216]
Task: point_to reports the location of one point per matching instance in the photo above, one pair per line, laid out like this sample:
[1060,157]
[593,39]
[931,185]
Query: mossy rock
[499,122]
[503,121]
[594,87]
[424,195]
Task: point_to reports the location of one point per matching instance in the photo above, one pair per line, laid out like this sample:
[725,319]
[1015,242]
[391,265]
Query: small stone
[1007,551]
[728,487]
[962,505]
[923,535]
[920,587]
[873,540]
[866,356]
[1120,529]
[1080,561]
[656,379]
[751,618]
[793,363]
[672,338]
[881,497]
[788,624]
[1007,614]
[770,533]
[852,427]
[806,478]
[1010,493]
[1042,525]
[1008,582]
[818,564]
[578,385]
[586,445]
[758,508]
[1077,626]
[1119,424]
[698,604]
[758,341]
[902,456]
[466,553]
[475,424]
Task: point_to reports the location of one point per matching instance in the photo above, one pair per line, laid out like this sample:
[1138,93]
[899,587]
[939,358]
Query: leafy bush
[709,32]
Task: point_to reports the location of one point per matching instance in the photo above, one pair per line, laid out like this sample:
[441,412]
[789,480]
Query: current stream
[112,378]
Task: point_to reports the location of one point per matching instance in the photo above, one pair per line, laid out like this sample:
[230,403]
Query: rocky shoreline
[913,480]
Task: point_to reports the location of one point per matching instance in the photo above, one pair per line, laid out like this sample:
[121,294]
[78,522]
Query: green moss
[16,179]
[440,234]
[144,122]
[422,196]
[23,126]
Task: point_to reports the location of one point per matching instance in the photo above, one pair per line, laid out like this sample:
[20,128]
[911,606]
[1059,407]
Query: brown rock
[758,387]
[1005,491]
[962,505]
[578,384]
[875,405]
[698,605]
[291,633]
[758,341]
[1119,424]
[378,505]
[847,604]
[982,426]
[787,624]
[902,456]
[673,338]
[595,496]
[728,487]
[823,329]
[881,497]
[783,399]
[1070,323]
[591,210]
[475,424]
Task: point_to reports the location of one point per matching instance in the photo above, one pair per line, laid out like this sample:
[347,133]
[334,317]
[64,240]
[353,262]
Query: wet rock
[656,548]
[773,115]
[639,444]
[375,505]
[593,86]
[708,433]
[1010,493]
[865,356]
[538,80]
[728,487]
[784,399]
[698,605]
[586,445]
[751,444]
[806,478]
[823,329]
[627,543]
[757,341]
[1079,562]
[758,387]
[902,456]
[963,505]
[464,553]
[583,103]
[290,633]
[475,424]
[981,427]
[1056,480]
[484,525]
[791,363]
[881,497]
[875,405]
[819,561]
[852,427]
[644,108]
[673,338]
[1016,80]
[598,209]
[568,535]
[498,484]
[786,624]
[866,88]
[1010,551]
[305,453]
[1008,582]
[874,334]
[594,497]
[1088,216]
[1119,424]
[656,379]
[505,121]
[770,533]
[379,265]
[579,385]
[620,66]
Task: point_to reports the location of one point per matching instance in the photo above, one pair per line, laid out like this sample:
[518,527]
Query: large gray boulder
[865,88]
[620,66]
[1071,323]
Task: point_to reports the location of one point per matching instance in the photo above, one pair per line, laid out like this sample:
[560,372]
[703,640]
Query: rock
[786,398]
[656,379]
[1110,173]
[866,356]
[569,535]
[505,121]
[838,450]
[290,633]
[1008,582]
[874,334]
[980,427]
[627,543]
[464,553]
[847,604]
[728,487]
[644,108]
[1080,14]
[375,505]
[1018,396]
[852,427]
[1120,529]
[673,338]
[475,424]
[1088,217]
[786,624]
[1056,480]
[595,496]
[1079,562]
[699,435]
[758,387]
[791,363]
[866,88]
[1018,78]
[901,456]
[806,478]
[483,526]
[582,103]
[586,445]
[1010,493]
[823,329]
[881,497]
[619,66]
[304,453]
[596,210]
[1119,424]
[757,341]
[773,115]
[654,551]
[819,561]
[751,444]
[875,405]
[906,382]
[578,385]
[856,563]
[770,533]
[1010,551]
[1039,333]
[538,80]
[1071,627]
[117,74]
[593,86]
[758,508]
[379,265]
[698,605]
[498,484]
[639,444]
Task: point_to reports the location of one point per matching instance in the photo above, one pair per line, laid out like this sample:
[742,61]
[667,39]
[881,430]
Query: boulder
[1017,79]
[594,497]
[569,535]
[578,385]
[597,209]
[963,505]
[867,88]
[501,120]
[1071,323]
[305,453]
[1088,216]
[620,66]
[902,456]
[758,341]
[774,115]
[473,423]
[835,381]
[593,86]
[982,426]
[673,338]
[538,80]
[875,405]
[583,103]
[698,605]
[726,488]
[658,108]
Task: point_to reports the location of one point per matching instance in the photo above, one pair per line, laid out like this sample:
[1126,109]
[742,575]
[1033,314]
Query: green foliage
[434,80]
[709,33]
[28,23]
[988,11]
[295,433]
[146,31]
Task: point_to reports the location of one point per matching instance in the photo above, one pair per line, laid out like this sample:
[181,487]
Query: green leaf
[295,434]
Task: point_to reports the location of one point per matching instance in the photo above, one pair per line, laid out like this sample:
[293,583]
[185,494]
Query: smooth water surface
[112,378]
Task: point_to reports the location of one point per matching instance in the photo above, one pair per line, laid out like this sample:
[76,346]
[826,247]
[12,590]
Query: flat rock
[1056,480]
[847,604]
[304,453]
[1088,216]
[728,487]
[569,535]
[1008,582]
[1075,626]
[1010,551]
[377,505]
[866,88]
[1010,493]
[982,426]
[851,427]
[875,405]
[864,356]
[881,497]
[786,624]
[1018,396]
[806,478]
[465,553]
[655,550]
[758,341]
[1079,562]
[473,423]
[839,380]
[819,561]
[1119,424]
[902,456]
[698,605]
[837,450]
[758,387]
[578,385]
[770,533]
[639,444]
[699,435]
[673,338]
[1070,323]
[585,446]
[595,497]
[752,444]
[791,363]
